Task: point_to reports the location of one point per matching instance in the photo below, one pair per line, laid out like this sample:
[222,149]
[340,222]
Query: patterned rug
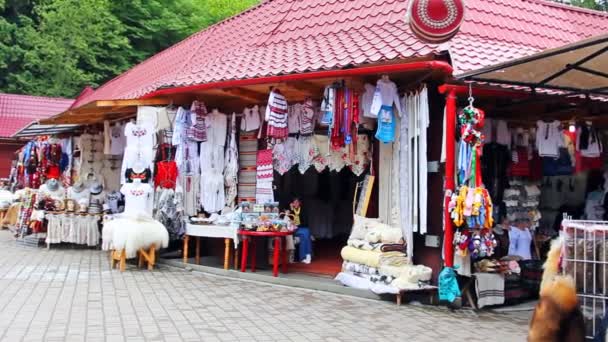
[248,149]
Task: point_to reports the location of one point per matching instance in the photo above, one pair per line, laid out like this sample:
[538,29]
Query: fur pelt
[133,233]
[557,316]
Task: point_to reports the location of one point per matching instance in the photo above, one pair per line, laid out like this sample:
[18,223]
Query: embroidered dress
[198,130]
[307,118]
[231,168]
[140,144]
[170,212]
[284,156]
[276,115]
[321,152]
[189,185]
[304,153]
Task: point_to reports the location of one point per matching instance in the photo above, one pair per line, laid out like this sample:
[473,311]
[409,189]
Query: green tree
[601,5]
[15,16]
[154,25]
[76,42]
[57,47]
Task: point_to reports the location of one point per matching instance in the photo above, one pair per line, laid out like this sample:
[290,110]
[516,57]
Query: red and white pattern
[264,164]
[436,21]
[276,115]
[264,175]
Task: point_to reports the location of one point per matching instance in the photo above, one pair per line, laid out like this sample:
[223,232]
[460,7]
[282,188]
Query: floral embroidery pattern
[137,192]
[139,132]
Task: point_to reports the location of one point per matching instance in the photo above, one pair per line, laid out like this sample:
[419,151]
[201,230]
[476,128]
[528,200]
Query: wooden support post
[245,252]
[197,258]
[185,249]
[226,253]
[120,257]
[148,256]
[236,258]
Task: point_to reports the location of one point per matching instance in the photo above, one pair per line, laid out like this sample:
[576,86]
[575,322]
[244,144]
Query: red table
[246,235]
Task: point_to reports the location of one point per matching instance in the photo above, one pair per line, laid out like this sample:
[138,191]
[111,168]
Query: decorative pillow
[361,226]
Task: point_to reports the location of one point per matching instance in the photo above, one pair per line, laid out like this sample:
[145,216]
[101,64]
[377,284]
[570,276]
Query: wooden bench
[144,257]
[430,291]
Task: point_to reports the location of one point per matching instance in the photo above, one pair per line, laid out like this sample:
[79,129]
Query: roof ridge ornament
[435,21]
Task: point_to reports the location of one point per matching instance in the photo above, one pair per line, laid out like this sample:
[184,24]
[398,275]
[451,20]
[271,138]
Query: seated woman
[302,233]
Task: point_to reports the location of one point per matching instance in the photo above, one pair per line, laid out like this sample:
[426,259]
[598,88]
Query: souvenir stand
[70,185]
[43,174]
[534,169]
[248,171]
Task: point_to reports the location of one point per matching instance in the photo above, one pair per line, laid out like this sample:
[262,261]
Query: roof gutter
[438,66]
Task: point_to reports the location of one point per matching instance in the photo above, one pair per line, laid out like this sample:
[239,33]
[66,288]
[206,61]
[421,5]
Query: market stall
[515,177]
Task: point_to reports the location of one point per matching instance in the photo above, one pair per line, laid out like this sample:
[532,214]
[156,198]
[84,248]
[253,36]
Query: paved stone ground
[72,295]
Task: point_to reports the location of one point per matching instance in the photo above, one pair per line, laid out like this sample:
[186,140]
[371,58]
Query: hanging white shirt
[149,115]
[385,95]
[366,101]
[251,119]
[141,134]
[217,127]
[137,198]
[503,135]
[424,121]
[549,138]
[294,115]
[118,140]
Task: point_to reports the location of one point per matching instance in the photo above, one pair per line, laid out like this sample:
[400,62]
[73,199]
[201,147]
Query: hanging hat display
[435,21]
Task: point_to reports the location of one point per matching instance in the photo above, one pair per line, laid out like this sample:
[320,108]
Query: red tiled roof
[16,111]
[294,36]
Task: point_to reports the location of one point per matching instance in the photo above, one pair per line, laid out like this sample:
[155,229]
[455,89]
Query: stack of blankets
[375,258]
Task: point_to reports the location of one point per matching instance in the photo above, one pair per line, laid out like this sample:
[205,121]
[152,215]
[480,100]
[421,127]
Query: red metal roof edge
[440,66]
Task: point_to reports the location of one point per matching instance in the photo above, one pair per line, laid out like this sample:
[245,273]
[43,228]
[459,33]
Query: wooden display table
[212,231]
[279,239]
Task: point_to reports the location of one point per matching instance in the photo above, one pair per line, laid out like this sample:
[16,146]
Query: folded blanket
[352,267]
[394,259]
[369,258]
[380,232]
[357,282]
[409,273]
[364,245]
[393,247]
[490,289]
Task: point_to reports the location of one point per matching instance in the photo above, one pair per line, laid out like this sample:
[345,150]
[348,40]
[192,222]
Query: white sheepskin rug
[133,233]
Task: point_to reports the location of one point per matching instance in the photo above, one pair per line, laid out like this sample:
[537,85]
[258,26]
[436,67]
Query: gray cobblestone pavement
[72,295]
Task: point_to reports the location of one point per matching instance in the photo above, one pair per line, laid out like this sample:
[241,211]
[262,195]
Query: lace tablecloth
[207,230]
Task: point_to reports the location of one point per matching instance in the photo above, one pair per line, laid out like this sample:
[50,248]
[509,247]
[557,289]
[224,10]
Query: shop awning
[36,129]
[577,68]
[98,111]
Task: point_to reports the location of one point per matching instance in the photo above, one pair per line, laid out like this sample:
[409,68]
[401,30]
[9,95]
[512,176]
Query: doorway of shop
[327,211]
